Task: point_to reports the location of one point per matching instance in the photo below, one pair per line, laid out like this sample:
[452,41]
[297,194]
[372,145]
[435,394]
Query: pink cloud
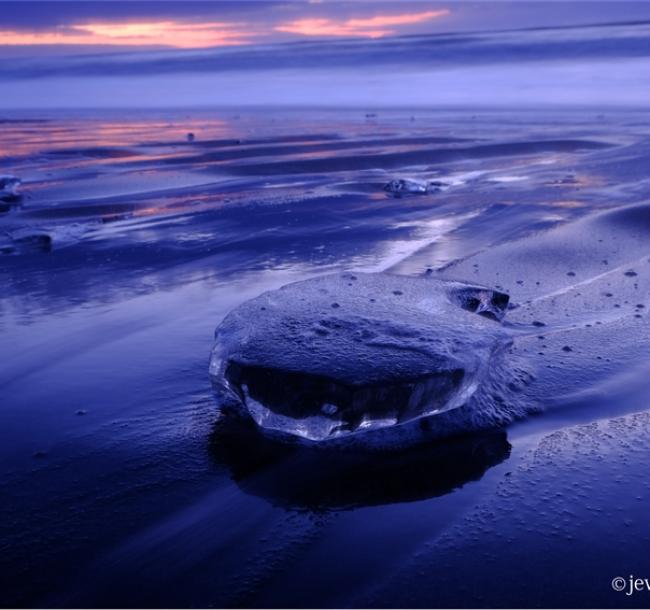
[150,33]
[367,27]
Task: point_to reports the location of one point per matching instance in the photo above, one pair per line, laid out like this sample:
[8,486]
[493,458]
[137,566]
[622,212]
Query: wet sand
[123,485]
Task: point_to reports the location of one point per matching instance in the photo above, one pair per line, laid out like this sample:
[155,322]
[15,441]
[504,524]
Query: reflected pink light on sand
[103,133]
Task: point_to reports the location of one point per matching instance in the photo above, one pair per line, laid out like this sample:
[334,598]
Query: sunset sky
[205,24]
[30,27]
[383,52]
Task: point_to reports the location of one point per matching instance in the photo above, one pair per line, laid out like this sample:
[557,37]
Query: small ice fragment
[190,137]
[404,186]
[9,188]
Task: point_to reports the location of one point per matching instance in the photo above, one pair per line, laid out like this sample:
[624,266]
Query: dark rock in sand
[26,241]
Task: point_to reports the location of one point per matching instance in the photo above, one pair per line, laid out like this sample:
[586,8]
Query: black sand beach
[122,484]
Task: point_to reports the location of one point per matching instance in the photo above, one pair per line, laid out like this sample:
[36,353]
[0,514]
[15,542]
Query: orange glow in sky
[368,27]
[328,27]
[155,33]
[188,35]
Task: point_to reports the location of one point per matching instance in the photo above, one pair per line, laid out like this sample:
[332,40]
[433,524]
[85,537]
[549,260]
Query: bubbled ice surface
[347,353]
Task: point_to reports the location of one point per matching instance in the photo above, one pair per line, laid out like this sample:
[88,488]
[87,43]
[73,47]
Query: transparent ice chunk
[346,354]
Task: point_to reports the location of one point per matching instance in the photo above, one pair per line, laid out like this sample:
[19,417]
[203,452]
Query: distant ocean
[600,65]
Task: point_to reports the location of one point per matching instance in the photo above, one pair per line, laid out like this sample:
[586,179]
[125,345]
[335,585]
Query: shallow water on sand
[120,486]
